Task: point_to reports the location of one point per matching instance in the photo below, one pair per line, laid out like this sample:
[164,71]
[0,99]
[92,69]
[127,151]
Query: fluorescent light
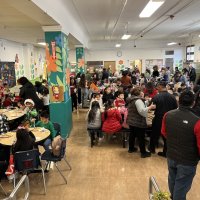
[171,43]
[42,43]
[125,37]
[118,45]
[151,7]
[199,35]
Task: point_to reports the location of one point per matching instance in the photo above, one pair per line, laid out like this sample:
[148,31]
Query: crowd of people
[125,102]
[33,100]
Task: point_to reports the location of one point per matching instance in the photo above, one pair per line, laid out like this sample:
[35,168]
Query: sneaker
[150,150]
[145,155]
[101,139]
[162,154]
[132,151]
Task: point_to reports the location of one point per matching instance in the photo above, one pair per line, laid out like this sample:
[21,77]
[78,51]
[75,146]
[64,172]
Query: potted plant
[161,196]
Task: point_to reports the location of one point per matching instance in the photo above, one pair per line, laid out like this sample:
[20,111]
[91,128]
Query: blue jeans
[180,179]
[46,144]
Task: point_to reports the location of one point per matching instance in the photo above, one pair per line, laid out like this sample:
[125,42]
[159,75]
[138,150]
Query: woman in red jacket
[111,118]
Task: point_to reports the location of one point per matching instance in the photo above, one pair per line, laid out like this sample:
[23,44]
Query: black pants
[156,133]
[74,101]
[4,159]
[140,134]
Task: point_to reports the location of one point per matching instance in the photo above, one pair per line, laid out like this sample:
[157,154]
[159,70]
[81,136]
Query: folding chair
[24,180]
[28,162]
[49,157]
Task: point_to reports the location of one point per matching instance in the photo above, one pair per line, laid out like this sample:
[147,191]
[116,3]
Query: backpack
[56,145]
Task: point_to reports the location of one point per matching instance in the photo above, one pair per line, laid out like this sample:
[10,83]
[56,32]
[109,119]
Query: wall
[127,55]
[31,59]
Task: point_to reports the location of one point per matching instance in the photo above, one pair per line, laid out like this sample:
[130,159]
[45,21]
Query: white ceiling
[106,21]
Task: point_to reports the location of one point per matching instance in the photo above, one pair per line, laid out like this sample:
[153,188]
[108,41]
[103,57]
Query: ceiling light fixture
[150,8]
[118,45]
[42,43]
[171,43]
[126,37]
[199,35]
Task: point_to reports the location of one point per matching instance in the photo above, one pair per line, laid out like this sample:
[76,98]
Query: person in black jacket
[107,95]
[28,91]
[24,140]
[192,73]
[164,102]
[181,128]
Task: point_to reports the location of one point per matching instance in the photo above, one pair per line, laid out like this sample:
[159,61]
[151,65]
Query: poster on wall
[56,93]
[149,63]
[7,73]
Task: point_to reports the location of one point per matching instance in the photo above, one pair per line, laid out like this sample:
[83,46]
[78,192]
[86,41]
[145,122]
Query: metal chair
[153,185]
[3,189]
[28,162]
[57,128]
[24,180]
[2,163]
[49,157]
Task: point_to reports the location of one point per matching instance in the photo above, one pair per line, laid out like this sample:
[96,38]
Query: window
[190,53]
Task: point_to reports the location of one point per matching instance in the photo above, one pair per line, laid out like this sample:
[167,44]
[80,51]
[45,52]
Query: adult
[28,91]
[150,90]
[83,85]
[164,102]
[137,113]
[192,73]
[155,71]
[105,75]
[126,80]
[181,128]
[39,87]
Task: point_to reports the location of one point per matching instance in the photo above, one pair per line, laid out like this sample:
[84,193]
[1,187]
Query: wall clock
[119,53]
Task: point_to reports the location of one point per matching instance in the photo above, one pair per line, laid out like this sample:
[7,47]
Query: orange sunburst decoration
[68,75]
[81,62]
[51,63]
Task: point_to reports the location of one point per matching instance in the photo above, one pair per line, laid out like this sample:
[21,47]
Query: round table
[12,114]
[9,138]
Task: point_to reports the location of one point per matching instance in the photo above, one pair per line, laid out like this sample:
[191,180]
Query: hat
[29,101]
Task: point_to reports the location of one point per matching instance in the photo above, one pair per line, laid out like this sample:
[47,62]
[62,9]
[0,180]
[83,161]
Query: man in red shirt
[181,128]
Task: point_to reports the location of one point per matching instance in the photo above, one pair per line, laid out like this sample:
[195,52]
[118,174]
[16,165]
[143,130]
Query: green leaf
[58,56]
[58,63]
[59,69]
[52,84]
[58,49]
[59,81]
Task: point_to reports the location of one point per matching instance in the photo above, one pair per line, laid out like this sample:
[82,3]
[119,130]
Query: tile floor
[105,172]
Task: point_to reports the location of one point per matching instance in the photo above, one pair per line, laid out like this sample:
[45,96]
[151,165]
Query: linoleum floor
[104,172]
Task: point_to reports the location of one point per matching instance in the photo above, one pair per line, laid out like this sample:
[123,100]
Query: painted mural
[80,60]
[58,68]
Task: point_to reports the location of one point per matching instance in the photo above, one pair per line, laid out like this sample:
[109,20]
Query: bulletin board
[149,63]
[7,73]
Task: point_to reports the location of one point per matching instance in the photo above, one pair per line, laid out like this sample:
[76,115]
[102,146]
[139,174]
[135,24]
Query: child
[26,125]
[31,112]
[94,120]
[20,104]
[47,124]
[45,99]
[120,104]
[7,102]
[24,141]
[97,97]
[111,118]
[107,95]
